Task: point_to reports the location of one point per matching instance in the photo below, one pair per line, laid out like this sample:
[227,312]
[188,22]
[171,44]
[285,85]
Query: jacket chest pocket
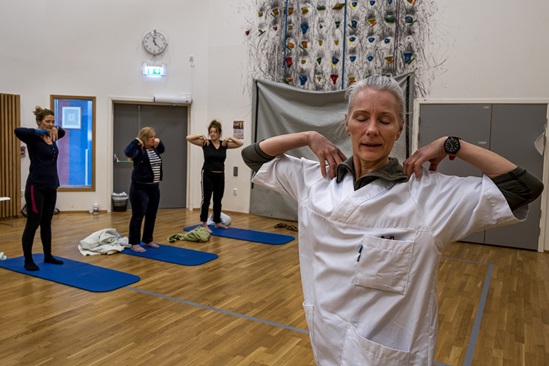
[384,264]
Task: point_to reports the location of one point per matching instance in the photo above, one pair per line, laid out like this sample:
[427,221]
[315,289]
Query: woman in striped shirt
[145,152]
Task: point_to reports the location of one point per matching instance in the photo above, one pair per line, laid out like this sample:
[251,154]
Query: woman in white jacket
[371,232]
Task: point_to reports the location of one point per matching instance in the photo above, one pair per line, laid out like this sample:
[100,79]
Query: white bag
[225,219]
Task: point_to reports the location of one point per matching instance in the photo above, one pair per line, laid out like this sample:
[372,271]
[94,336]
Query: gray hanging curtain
[281,109]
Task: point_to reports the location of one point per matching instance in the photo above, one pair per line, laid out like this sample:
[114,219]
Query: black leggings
[212,183]
[40,209]
[145,199]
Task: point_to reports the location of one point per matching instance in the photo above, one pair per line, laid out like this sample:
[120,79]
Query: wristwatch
[451,146]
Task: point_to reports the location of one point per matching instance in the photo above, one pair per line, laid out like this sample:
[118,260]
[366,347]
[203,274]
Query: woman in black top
[145,152]
[213,170]
[42,183]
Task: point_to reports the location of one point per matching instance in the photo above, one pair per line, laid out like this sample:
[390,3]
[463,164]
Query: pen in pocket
[359,253]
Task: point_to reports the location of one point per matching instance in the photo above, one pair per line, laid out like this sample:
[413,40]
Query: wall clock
[155,42]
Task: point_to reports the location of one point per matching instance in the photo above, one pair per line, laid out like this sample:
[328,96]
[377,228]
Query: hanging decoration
[308,43]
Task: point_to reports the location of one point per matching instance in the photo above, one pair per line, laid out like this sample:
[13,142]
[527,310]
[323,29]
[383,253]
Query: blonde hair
[145,133]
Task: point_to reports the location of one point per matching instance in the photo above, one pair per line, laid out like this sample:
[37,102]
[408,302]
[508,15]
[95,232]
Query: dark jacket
[43,158]
[142,170]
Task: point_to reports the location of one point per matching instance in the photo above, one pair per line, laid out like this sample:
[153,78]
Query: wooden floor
[244,308]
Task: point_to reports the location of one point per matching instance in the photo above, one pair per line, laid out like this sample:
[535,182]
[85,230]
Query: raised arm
[232,143]
[517,185]
[327,153]
[56,133]
[159,146]
[25,134]
[488,162]
[198,140]
[133,148]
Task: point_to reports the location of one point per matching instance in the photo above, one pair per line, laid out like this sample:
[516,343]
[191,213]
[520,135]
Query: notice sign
[238,130]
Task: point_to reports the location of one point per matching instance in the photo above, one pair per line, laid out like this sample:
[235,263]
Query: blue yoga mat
[249,235]
[176,255]
[72,273]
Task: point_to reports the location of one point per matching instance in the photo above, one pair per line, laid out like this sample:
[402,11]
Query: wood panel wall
[10,155]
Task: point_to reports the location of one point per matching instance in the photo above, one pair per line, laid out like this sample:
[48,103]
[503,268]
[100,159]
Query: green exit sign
[154,70]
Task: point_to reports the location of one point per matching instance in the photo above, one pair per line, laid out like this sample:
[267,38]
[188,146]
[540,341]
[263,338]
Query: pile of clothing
[105,241]
[198,234]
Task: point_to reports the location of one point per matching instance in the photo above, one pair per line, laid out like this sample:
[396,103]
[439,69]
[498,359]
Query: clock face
[451,145]
[155,42]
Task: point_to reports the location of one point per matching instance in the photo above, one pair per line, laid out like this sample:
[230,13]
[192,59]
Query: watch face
[155,43]
[451,145]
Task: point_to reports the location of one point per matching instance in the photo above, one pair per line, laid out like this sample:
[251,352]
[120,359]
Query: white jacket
[369,258]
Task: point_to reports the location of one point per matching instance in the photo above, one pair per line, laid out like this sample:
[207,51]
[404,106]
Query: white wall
[492,49]
[486,50]
[93,48]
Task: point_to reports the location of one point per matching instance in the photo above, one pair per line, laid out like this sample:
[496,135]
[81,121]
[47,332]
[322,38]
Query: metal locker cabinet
[515,127]
[508,129]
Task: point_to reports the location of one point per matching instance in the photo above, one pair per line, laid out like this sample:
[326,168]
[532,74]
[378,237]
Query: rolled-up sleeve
[519,187]
[254,157]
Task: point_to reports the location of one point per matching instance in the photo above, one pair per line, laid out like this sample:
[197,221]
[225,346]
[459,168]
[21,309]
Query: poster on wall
[238,130]
[71,118]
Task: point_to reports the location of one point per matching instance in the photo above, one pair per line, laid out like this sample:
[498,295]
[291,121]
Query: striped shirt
[155,164]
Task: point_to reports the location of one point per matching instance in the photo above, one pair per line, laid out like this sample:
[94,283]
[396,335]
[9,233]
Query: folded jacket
[199,234]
